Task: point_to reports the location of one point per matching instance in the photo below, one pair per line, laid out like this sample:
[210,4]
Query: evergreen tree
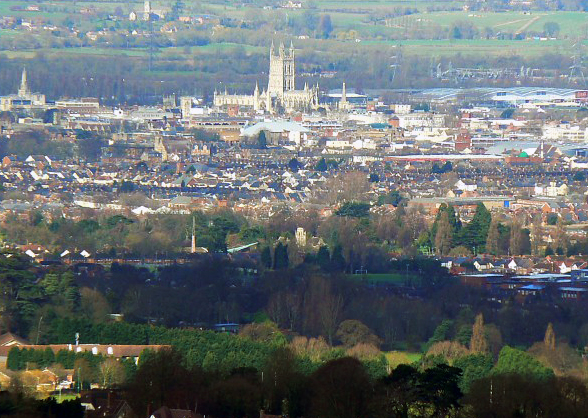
[323,258]
[322,165]
[51,283]
[281,256]
[475,234]
[337,260]
[325,26]
[266,257]
[478,343]
[513,361]
[294,165]
[14,360]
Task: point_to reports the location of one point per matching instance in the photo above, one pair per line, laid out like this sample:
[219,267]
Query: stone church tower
[281,74]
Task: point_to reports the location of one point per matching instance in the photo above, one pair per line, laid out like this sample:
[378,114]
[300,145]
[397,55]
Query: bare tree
[112,373]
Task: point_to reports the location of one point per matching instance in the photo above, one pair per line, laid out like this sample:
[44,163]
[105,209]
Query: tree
[294,165]
[441,333]
[444,235]
[352,332]
[266,257]
[14,360]
[281,256]
[329,312]
[560,236]
[354,210]
[452,218]
[340,389]
[478,343]
[517,238]
[492,239]
[163,379]
[474,367]
[475,234]
[374,178]
[551,29]
[549,339]
[83,373]
[516,361]
[393,198]
[325,26]
[112,373]
[94,305]
[322,165]
[456,33]
[323,257]
[440,389]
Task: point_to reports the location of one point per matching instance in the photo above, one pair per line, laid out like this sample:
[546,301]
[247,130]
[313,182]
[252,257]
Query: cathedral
[281,93]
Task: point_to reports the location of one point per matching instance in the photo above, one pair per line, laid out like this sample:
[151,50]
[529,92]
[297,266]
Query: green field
[395,358]
[413,33]
[397,279]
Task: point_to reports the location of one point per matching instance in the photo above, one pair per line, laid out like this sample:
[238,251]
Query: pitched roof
[165,412]
[9,339]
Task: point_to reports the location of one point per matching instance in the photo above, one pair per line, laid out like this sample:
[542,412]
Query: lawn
[396,279]
[396,358]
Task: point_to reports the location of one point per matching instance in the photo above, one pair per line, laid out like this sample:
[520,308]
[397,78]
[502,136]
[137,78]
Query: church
[24,99]
[281,94]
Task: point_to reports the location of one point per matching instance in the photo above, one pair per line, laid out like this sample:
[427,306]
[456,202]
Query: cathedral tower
[282,71]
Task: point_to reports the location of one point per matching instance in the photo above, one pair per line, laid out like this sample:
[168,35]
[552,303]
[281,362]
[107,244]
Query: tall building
[281,93]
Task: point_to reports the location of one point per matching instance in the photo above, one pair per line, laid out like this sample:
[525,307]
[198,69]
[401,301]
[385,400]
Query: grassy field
[439,48]
[402,357]
[345,15]
[570,23]
[396,279]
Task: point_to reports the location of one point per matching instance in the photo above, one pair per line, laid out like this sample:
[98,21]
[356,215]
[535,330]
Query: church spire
[343,101]
[24,86]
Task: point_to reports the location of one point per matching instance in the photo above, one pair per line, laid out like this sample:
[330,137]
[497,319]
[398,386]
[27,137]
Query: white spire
[24,86]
